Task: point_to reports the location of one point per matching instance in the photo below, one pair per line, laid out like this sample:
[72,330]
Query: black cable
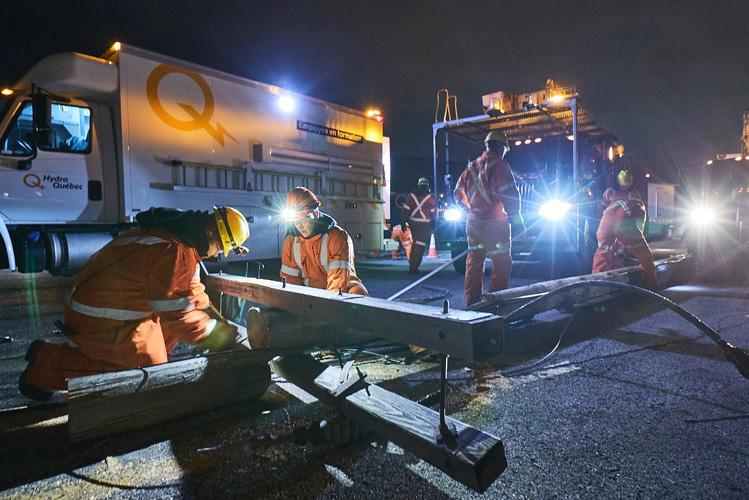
[734,354]
[524,368]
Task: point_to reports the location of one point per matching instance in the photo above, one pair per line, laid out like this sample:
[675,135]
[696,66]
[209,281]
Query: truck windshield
[71,130]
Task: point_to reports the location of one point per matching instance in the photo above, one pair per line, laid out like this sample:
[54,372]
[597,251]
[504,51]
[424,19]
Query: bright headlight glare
[453,214]
[703,215]
[286,103]
[288,214]
[555,209]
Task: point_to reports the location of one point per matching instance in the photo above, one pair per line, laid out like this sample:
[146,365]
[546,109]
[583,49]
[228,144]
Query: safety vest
[419,205]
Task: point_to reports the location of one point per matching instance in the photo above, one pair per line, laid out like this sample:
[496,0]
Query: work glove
[518,225]
[221,337]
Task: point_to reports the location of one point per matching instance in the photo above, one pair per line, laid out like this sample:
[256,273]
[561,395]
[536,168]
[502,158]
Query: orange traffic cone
[432,249]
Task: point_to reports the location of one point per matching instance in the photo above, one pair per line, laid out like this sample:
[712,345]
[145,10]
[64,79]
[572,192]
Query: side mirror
[42,109]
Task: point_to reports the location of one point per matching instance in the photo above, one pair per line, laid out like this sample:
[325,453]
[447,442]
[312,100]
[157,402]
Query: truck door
[64,183]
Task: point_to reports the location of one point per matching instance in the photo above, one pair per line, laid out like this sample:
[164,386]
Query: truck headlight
[702,216]
[555,209]
[453,214]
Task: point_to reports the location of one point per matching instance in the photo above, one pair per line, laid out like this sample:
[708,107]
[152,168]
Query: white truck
[86,143]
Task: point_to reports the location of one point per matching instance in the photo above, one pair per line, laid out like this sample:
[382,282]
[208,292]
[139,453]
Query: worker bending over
[402,235]
[487,189]
[624,190]
[417,211]
[137,297]
[317,252]
[621,226]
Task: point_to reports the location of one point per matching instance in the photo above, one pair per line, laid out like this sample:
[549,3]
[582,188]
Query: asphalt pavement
[634,403]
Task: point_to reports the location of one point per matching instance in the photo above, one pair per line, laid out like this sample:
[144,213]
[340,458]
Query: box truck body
[134,130]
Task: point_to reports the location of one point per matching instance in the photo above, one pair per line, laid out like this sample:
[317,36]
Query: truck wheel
[460,264]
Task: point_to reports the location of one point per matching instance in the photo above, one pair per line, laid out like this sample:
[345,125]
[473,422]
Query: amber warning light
[375,114]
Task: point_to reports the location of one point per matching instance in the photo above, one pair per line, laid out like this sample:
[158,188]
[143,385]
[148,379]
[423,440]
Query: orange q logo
[33,181]
[199,120]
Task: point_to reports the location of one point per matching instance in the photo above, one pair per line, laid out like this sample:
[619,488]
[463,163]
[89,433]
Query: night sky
[669,78]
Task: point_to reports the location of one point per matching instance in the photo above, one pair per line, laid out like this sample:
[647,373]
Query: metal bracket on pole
[346,367]
[447,434]
[352,385]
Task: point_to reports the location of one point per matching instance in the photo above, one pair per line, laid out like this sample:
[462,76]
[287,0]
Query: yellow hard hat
[423,181]
[232,228]
[625,178]
[497,135]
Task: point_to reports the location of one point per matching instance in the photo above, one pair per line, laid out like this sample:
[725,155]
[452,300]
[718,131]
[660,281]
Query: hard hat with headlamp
[300,204]
[625,178]
[232,229]
[498,136]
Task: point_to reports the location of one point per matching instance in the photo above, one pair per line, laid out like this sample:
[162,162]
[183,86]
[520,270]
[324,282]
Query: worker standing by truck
[137,297]
[487,189]
[317,252]
[417,211]
[621,226]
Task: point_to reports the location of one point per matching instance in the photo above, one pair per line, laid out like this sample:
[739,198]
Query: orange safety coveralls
[417,210]
[611,195]
[621,226]
[131,304]
[487,188]
[325,260]
[404,238]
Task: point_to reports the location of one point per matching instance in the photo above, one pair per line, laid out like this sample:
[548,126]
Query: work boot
[28,390]
[33,350]
[32,391]
[472,299]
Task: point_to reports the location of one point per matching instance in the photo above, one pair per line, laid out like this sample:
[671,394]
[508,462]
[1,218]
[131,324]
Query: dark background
[669,78]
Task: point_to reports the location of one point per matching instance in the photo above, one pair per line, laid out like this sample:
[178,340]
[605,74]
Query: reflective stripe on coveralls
[422,217]
[477,183]
[338,264]
[126,314]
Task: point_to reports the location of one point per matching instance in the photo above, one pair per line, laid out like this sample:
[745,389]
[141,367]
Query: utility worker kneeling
[621,226]
[402,234]
[137,297]
[317,252]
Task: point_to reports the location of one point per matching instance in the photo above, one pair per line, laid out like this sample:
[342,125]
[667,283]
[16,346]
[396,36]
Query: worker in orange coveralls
[487,189]
[417,210]
[137,297]
[621,226]
[624,190]
[402,234]
[317,252]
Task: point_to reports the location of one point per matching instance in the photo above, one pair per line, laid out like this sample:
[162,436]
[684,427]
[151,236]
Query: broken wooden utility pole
[466,335]
[670,271]
[276,330]
[116,402]
[467,455]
